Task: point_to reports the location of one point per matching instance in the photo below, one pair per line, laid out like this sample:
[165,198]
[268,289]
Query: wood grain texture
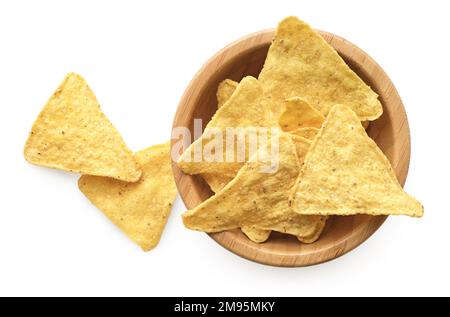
[342,234]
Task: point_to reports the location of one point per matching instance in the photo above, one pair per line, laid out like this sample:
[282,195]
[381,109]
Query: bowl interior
[391,132]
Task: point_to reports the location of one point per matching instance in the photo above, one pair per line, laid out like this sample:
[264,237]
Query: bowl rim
[356,237]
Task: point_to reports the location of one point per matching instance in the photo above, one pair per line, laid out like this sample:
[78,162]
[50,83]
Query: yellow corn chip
[255,234]
[258,199]
[299,114]
[215,181]
[307,133]
[300,63]
[243,109]
[139,209]
[310,133]
[72,134]
[225,90]
[345,173]
[301,146]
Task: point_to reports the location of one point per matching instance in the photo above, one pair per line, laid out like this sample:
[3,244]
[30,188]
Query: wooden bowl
[342,234]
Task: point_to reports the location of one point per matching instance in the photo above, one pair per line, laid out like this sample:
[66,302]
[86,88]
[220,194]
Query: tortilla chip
[255,234]
[345,173]
[365,124]
[225,90]
[300,63]
[257,199]
[301,146]
[72,134]
[299,114]
[139,209]
[216,183]
[307,133]
[243,109]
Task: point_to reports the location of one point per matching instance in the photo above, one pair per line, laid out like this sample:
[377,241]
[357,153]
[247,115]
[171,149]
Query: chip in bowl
[300,63]
[345,173]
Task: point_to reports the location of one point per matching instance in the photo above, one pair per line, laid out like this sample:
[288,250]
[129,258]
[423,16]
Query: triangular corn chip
[297,110]
[243,109]
[300,63]
[310,133]
[225,90]
[218,176]
[217,182]
[345,173]
[72,134]
[301,146]
[307,133]
[299,114]
[256,234]
[139,209]
[258,199]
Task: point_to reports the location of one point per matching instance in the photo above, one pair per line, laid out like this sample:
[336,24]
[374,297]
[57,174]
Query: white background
[139,56]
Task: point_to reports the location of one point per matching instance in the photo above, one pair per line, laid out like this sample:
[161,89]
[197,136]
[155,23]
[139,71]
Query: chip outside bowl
[342,234]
